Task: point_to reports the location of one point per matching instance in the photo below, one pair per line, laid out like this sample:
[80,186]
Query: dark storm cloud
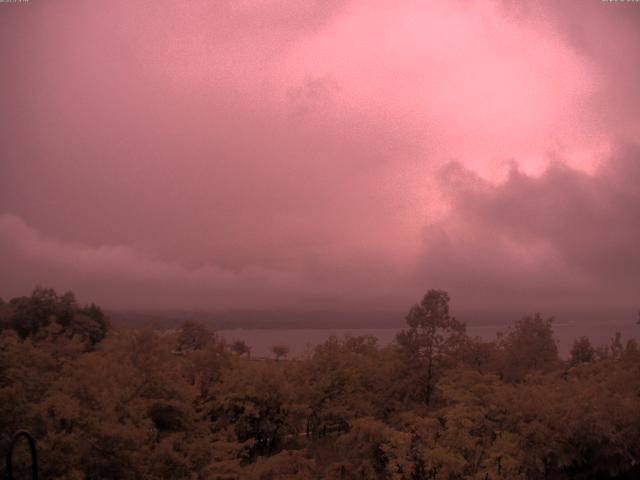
[562,237]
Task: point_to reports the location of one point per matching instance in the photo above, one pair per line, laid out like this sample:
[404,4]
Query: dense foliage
[436,404]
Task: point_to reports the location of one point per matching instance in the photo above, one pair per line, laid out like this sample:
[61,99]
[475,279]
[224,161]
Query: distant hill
[259,319]
[283,319]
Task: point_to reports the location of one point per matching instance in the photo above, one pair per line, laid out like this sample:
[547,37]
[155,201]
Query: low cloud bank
[564,238]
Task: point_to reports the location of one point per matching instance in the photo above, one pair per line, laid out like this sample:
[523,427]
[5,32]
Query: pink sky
[337,154]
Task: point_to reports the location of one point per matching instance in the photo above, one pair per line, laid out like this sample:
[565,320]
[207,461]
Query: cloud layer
[563,238]
[299,154]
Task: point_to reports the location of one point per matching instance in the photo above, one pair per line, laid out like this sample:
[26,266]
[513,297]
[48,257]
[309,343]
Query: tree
[345,378]
[582,351]
[280,351]
[6,312]
[203,367]
[240,347]
[90,323]
[254,400]
[194,336]
[477,354]
[616,347]
[432,339]
[33,313]
[614,350]
[45,314]
[527,346]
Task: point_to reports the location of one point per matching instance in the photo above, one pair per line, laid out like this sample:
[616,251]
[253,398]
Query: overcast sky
[322,155]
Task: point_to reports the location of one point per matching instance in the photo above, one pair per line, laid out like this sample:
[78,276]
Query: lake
[302,341]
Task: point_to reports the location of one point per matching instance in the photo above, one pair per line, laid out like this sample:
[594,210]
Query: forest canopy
[107,403]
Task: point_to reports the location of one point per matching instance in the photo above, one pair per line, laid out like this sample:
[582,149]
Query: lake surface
[302,341]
